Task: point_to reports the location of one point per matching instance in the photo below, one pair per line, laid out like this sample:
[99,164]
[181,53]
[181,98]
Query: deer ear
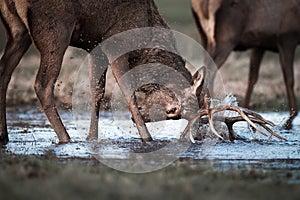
[198,81]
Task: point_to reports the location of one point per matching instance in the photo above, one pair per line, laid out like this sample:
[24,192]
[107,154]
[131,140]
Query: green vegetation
[178,15]
[176,11]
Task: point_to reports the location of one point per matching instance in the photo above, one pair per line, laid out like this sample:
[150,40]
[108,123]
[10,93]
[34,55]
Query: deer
[259,25]
[54,25]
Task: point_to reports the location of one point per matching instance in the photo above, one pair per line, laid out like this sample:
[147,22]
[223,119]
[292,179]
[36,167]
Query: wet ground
[31,134]
[33,166]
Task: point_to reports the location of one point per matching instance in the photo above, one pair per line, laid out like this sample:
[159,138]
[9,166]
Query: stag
[259,25]
[54,25]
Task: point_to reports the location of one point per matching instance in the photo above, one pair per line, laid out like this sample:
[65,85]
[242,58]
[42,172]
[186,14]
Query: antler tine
[243,115]
[251,117]
[254,114]
[272,132]
[262,122]
[229,121]
[211,124]
[188,128]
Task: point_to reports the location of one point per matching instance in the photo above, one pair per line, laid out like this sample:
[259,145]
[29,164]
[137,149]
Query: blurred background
[269,93]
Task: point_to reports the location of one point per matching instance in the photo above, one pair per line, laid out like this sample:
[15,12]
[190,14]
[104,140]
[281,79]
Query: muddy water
[31,134]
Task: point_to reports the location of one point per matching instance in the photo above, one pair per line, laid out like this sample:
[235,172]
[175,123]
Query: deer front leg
[140,124]
[17,45]
[119,68]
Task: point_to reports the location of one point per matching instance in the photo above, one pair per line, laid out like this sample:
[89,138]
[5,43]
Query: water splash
[40,139]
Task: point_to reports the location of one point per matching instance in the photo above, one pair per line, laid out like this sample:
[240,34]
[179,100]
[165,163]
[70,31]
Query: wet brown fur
[54,25]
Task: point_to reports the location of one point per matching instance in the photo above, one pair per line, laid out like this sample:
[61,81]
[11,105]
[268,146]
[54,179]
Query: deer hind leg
[44,86]
[52,44]
[119,68]
[97,84]
[287,51]
[18,41]
[255,61]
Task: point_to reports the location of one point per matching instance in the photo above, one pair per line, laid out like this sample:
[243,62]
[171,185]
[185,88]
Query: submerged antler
[251,117]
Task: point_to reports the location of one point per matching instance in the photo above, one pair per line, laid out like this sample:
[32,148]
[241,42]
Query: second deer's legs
[255,61]
[287,51]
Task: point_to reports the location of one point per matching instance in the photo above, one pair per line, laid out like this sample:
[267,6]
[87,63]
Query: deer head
[156,102]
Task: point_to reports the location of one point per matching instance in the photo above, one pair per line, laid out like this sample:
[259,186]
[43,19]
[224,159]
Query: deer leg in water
[255,61]
[47,75]
[52,43]
[97,84]
[119,68]
[17,45]
[286,51]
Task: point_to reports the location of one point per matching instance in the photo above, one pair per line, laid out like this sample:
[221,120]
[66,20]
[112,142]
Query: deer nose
[173,113]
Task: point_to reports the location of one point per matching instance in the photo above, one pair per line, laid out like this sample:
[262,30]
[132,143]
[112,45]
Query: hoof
[287,126]
[147,139]
[3,140]
[91,138]
[64,141]
[63,138]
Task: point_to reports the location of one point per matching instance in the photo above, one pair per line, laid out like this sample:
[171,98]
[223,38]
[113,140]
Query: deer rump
[259,25]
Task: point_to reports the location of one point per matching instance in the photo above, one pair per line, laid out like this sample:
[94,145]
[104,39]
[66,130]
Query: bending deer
[260,25]
[54,25]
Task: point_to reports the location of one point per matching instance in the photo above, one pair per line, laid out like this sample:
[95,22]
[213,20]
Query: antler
[251,117]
